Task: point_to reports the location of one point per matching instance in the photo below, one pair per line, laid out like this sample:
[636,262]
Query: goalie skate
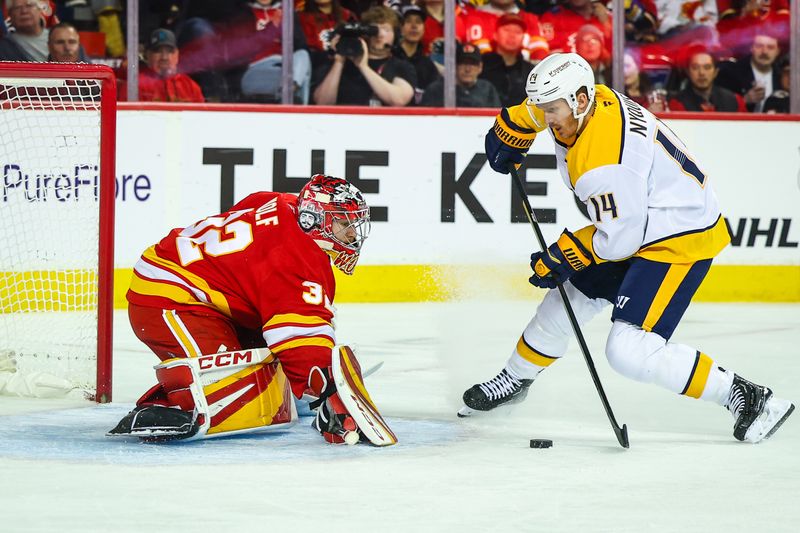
[503,389]
[156,423]
[350,387]
[757,411]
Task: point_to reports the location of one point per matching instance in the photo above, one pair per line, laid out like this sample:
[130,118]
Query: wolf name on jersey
[254,265]
[644,193]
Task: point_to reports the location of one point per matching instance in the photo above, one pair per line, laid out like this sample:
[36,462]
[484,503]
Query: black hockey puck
[541,443]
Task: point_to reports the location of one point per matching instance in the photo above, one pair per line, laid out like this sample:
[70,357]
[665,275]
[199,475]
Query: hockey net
[57,131]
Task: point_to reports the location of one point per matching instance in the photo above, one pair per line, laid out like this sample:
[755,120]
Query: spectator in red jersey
[159,80]
[320,16]
[561,25]
[434,23]
[506,68]
[701,93]
[590,45]
[477,26]
[410,48]
[755,77]
[746,18]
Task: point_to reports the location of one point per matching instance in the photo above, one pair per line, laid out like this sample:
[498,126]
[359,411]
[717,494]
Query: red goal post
[57,150]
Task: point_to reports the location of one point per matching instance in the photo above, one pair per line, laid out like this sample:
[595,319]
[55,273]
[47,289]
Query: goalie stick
[620,432]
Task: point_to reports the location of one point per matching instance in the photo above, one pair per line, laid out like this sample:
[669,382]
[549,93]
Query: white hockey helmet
[560,76]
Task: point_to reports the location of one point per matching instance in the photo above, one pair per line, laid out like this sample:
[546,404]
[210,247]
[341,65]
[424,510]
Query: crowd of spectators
[698,55]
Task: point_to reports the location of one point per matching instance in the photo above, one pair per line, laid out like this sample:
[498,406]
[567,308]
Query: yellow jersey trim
[181,335]
[294,318]
[302,341]
[689,247]
[673,279]
[586,237]
[602,140]
[175,293]
[217,298]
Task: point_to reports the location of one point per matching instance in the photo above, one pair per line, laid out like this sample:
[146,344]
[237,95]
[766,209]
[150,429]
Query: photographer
[369,77]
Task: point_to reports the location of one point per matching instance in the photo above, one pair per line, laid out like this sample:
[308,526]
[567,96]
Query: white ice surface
[684,471]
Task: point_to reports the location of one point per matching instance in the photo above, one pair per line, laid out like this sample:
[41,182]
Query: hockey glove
[561,260]
[507,143]
[332,420]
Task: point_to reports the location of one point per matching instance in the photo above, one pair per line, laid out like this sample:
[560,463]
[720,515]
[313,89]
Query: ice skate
[758,413]
[503,389]
[156,423]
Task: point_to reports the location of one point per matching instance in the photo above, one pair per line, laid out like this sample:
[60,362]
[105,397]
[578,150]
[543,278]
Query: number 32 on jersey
[214,236]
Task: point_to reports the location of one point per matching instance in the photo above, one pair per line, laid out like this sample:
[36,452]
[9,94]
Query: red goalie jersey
[253,265]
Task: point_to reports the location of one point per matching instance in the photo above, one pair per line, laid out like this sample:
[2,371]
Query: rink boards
[445,225]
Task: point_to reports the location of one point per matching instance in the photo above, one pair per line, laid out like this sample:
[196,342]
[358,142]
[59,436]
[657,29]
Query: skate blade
[465,412]
[775,414]
[506,409]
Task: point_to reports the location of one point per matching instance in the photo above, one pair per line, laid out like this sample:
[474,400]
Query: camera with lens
[349,37]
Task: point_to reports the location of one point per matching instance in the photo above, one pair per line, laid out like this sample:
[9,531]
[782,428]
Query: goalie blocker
[246,391]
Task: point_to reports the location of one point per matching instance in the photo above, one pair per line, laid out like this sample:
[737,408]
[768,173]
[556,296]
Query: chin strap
[582,116]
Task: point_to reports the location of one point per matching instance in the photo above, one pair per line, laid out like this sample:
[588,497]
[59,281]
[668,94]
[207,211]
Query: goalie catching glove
[507,143]
[559,262]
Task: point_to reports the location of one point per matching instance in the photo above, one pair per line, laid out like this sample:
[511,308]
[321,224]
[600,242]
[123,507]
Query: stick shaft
[621,433]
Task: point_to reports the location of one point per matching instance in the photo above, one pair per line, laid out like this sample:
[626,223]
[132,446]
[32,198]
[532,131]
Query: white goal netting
[49,235]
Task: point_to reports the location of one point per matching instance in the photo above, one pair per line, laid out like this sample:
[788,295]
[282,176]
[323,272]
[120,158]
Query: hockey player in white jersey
[656,227]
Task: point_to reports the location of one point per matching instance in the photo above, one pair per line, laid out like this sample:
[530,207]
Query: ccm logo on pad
[225,359]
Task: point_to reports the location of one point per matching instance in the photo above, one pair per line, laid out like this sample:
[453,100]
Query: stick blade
[622,436]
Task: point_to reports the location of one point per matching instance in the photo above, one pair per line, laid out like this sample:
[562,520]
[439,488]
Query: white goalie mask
[560,76]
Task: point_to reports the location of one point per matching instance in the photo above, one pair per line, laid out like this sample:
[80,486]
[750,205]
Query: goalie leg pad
[219,394]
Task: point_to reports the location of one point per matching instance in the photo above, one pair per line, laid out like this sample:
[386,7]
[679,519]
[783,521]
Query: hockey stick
[620,432]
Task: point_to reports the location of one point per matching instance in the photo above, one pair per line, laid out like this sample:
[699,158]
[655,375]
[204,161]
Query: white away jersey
[644,192]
